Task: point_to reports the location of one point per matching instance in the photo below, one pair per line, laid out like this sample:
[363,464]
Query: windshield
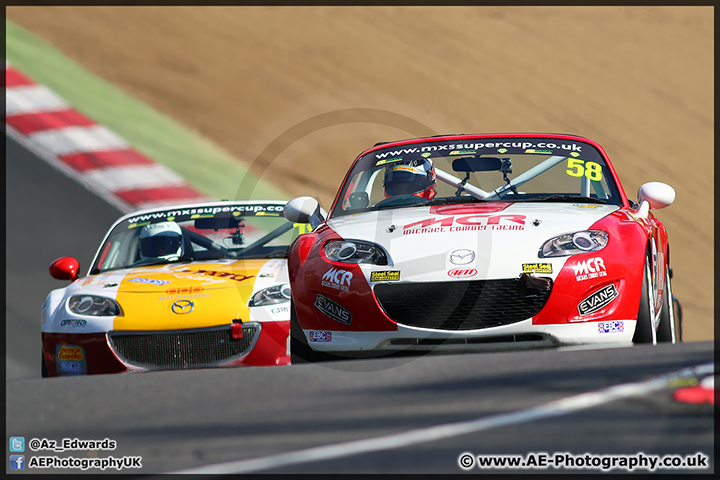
[209,232]
[478,170]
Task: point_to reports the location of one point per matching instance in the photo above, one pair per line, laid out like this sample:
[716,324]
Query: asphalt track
[485,404]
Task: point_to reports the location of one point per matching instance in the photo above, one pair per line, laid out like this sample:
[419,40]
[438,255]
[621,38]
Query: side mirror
[304,210]
[65,268]
[653,196]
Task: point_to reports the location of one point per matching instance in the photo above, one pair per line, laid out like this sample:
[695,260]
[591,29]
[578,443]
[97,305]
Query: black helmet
[416,177]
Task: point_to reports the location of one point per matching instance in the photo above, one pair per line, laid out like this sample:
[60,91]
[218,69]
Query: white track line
[555,408]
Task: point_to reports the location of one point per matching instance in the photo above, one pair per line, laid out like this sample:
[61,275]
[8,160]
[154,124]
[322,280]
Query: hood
[184,295]
[500,237]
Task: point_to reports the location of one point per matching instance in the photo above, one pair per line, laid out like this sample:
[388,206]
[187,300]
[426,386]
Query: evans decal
[466,223]
[337,279]
[611,327]
[537,267]
[590,268]
[598,300]
[333,310]
[386,276]
[462,272]
[317,336]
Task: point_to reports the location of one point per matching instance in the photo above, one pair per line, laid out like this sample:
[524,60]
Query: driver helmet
[411,178]
[161,240]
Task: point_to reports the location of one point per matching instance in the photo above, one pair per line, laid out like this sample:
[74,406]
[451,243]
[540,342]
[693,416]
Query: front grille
[183,349]
[463,305]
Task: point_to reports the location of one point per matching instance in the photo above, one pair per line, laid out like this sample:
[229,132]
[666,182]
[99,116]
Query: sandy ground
[298,92]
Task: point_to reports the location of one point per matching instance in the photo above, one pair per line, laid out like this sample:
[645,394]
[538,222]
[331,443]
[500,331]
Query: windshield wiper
[567,198]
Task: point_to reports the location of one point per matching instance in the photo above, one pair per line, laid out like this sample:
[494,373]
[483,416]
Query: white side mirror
[304,210]
[653,196]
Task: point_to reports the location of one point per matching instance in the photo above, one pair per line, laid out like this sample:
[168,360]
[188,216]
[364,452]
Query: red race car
[461,242]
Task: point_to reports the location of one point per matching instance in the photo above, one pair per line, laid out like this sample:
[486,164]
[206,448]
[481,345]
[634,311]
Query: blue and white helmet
[161,240]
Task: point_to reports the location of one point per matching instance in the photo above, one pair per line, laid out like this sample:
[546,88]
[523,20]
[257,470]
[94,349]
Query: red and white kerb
[87,151]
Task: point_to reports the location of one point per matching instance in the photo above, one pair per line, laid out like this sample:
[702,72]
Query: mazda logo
[182,307]
[462,256]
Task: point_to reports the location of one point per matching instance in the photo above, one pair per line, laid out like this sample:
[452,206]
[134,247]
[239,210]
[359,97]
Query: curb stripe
[29,123]
[134,177]
[112,158]
[32,99]
[78,139]
[92,154]
[13,78]
[147,195]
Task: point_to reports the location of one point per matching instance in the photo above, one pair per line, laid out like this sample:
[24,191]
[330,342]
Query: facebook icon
[17,462]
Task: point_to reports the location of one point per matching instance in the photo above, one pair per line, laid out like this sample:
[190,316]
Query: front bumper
[519,335]
[261,344]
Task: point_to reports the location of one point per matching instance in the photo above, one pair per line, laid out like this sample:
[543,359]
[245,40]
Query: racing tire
[644,331]
[44,369]
[670,329]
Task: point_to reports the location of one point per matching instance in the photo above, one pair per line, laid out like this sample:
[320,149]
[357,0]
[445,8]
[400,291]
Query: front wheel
[644,330]
[670,328]
[44,369]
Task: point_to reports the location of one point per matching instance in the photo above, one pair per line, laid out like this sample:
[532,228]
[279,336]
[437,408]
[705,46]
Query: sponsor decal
[574,154]
[500,145]
[590,268]
[537,267]
[151,281]
[197,212]
[466,223]
[318,336]
[73,323]
[611,327]
[534,150]
[182,307]
[462,272]
[333,310]
[385,276]
[70,360]
[462,256]
[276,311]
[598,300]
[389,160]
[218,274]
[110,285]
[463,152]
[337,279]
[70,352]
[173,291]
[585,205]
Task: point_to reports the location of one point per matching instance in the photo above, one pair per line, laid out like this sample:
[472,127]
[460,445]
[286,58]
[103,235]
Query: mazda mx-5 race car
[181,287]
[481,241]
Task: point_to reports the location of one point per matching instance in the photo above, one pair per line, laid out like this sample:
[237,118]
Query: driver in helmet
[162,241]
[416,177]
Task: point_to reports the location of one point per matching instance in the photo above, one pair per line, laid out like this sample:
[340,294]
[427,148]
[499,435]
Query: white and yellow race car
[189,286]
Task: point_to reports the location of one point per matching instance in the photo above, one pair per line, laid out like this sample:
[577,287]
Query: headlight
[354,251]
[93,305]
[271,295]
[574,243]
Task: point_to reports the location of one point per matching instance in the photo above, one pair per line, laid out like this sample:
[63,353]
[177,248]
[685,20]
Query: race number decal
[578,168]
